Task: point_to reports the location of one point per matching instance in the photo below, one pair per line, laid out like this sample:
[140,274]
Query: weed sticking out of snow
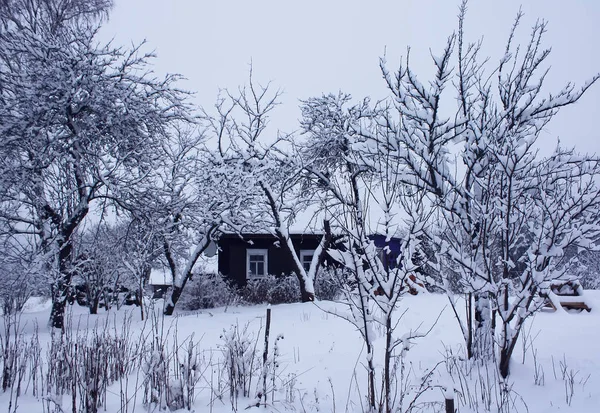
[214,362]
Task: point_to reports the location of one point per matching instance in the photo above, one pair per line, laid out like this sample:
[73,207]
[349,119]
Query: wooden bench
[578,305]
[569,305]
[568,294]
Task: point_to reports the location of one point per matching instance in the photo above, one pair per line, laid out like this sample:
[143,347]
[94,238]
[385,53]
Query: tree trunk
[508,347]
[504,365]
[175,294]
[140,300]
[327,244]
[187,273]
[93,300]
[365,314]
[93,305]
[61,287]
[57,314]
[387,364]
[305,295]
[469,325]
[371,368]
[449,406]
[483,334]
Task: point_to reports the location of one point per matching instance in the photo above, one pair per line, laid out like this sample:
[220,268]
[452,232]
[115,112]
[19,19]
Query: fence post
[266,353]
[450,405]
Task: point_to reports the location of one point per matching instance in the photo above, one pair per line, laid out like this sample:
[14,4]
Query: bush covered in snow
[210,290]
[329,283]
[271,289]
[285,289]
[207,290]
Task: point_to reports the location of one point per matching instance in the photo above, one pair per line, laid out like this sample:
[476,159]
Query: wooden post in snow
[266,353]
[449,405]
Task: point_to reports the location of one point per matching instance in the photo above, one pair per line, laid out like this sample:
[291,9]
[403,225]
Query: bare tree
[107,263]
[93,266]
[20,273]
[181,207]
[196,200]
[53,15]
[512,214]
[358,181]
[79,124]
[273,162]
[140,249]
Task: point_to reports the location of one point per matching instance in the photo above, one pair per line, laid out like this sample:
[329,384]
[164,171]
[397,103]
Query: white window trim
[257,251]
[304,253]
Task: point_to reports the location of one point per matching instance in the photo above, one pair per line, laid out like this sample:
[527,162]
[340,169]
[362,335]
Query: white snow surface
[323,352]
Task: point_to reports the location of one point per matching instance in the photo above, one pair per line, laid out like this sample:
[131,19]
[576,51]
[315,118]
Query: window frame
[257,251]
[305,253]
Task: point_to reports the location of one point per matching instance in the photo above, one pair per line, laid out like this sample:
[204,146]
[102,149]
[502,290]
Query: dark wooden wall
[232,253]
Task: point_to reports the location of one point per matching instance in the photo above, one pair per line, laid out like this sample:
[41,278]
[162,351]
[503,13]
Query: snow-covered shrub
[189,367]
[20,280]
[154,367]
[329,283]
[274,364]
[58,373]
[85,363]
[20,360]
[171,370]
[161,389]
[207,290]
[256,291]
[479,386]
[242,360]
[271,289]
[93,365]
[283,290]
[13,296]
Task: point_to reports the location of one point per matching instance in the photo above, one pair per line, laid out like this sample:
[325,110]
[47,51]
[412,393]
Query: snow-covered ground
[319,354]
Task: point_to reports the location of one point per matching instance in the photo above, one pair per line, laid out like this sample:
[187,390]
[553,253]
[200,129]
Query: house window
[256,263]
[306,257]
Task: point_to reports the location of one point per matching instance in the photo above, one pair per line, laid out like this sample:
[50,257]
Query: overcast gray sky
[311,47]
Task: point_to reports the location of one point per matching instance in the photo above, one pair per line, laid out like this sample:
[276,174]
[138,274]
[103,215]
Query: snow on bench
[565,294]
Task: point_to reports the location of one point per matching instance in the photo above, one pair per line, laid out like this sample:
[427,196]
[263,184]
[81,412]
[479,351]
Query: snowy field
[315,360]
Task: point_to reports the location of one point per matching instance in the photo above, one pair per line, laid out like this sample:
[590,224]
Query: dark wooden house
[251,256]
